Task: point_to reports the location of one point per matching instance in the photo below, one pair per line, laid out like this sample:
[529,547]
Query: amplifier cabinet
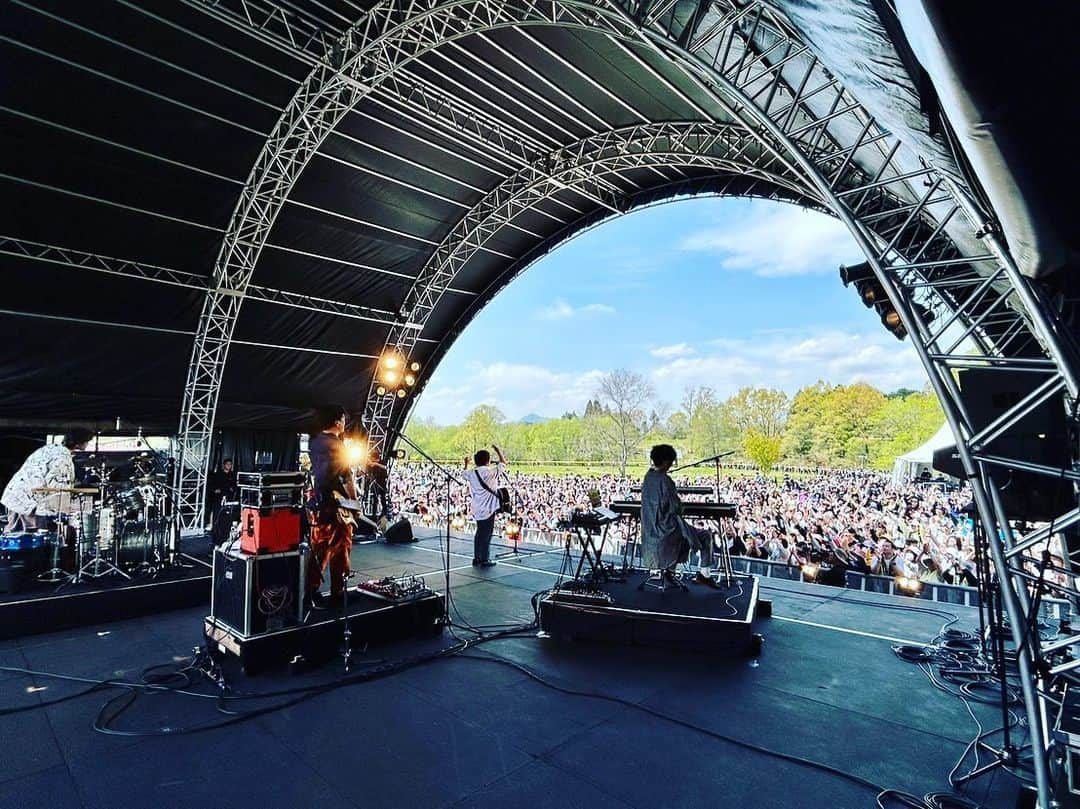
[260,593]
[269,531]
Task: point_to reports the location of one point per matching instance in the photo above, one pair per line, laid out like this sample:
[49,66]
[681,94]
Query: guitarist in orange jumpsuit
[332,526]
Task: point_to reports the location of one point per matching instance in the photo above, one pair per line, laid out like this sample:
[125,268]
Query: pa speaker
[401,531]
[1041,437]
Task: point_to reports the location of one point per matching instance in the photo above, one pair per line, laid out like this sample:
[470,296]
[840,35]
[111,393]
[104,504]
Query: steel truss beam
[387,39]
[37,251]
[581,167]
[936,254]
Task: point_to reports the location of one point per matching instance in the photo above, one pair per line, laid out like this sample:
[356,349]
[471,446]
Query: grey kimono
[666,538]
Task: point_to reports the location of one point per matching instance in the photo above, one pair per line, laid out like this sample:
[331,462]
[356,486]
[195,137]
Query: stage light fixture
[401,393]
[410,380]
[909,585]
[391,361]
[414,366]
[512,529]
[380,390]
[810,572]
[391,377]
[356,451]
[398,454]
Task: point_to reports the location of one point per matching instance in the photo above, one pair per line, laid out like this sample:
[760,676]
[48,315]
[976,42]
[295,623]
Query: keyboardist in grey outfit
[666,538]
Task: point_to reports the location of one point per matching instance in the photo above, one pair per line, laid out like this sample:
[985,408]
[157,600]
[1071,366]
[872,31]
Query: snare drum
[100,526]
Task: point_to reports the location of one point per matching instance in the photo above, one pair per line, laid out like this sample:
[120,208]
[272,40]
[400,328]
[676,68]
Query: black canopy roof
[129,128]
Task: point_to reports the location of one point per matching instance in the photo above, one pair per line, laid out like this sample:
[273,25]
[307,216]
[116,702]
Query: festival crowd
[833,521]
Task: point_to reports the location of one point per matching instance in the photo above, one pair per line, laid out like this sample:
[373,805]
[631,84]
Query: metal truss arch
[390,36]
[583,167]
[958,291]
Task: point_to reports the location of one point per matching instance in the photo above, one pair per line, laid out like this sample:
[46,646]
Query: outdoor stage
[460,731]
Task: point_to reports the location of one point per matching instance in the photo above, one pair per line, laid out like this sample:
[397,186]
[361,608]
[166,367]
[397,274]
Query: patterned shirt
[50,465]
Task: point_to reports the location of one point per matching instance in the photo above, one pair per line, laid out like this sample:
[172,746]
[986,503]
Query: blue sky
[718,292]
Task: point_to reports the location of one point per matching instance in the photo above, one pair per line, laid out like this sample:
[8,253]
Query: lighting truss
[581,167]
[921,228]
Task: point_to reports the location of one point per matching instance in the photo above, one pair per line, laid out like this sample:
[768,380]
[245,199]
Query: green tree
[762,450]
[762,409]
[480,429]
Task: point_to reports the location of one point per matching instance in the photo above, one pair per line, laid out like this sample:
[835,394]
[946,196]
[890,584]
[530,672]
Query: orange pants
[330,545]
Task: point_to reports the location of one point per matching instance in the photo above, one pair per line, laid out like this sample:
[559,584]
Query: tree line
[821,425]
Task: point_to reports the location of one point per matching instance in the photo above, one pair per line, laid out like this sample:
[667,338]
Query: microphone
[139,438]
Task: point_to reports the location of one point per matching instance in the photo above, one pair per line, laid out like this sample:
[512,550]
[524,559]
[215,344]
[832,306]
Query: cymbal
[65,490]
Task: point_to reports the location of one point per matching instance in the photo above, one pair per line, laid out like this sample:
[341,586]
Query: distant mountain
[532,418]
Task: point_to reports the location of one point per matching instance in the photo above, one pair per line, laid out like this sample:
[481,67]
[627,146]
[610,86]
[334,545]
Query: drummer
[50,467]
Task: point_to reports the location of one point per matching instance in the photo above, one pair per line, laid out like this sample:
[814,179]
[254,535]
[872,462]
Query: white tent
[909,466]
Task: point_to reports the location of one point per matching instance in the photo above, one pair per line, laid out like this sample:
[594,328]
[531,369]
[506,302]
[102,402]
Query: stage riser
[675,621]
[596,624]
[33,616]
[321,642]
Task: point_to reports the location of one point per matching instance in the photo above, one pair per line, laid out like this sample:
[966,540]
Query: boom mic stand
[448,478]
[715,459]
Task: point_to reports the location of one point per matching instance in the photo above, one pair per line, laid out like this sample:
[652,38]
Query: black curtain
[243,446]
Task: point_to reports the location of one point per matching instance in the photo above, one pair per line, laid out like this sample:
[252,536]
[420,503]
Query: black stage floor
[466,732]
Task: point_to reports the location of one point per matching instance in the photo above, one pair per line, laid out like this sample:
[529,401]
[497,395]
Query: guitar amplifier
[269,531]
[268,497]
[264,480]
[256,594]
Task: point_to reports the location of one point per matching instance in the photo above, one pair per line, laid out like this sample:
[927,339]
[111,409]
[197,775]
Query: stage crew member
[51,467]
[483,482]
[332,527]
[666,538]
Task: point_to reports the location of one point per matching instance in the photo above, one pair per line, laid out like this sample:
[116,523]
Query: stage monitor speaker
[1041,437]
[257,593]
[401,531]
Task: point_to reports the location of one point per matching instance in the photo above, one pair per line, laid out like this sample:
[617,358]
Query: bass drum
[140,543]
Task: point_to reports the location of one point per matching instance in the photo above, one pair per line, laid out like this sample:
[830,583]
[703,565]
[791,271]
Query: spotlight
[410,380]
[909,585]
[391,361]
[380,390]
[401,393]
[391,377]
[414,367]
[810,571]
[398,454]
[355,451]
[512,529]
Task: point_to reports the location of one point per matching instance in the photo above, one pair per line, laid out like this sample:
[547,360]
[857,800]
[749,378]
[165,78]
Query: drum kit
[119,523]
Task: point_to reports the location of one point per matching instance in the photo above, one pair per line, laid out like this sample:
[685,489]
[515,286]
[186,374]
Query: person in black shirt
[331,529]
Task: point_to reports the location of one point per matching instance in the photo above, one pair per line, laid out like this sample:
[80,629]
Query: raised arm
[499,454]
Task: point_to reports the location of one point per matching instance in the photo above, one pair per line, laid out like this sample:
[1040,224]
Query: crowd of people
[832,522]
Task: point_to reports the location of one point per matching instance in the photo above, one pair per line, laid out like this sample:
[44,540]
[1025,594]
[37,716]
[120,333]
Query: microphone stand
[715,459]
[448,478]
[172,555]
[725,557]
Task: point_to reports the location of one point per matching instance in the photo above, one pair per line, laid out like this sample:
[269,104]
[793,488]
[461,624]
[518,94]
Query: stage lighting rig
[872,294]
[395,374]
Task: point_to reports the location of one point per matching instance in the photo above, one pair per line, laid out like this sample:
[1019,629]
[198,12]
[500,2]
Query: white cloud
[677,350]
[561,310]
[777,240]
[516,389]
[791,359]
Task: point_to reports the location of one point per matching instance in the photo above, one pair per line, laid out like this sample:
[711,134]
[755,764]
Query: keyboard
[711,511]
[680,490]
